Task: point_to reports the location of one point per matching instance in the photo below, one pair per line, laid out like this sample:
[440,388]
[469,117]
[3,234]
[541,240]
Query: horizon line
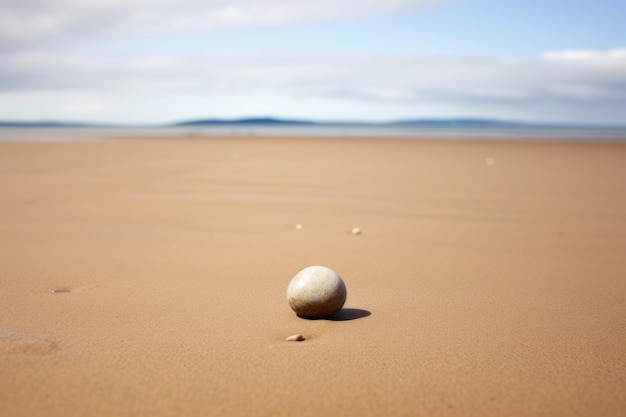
[273,120]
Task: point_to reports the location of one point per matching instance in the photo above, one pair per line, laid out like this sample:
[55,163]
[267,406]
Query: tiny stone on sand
[299,226]
[295,338]
[356,231]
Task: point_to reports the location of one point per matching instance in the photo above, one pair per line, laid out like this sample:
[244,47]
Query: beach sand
[147,277]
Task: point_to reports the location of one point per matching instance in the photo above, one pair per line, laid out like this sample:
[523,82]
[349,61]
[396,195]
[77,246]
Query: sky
[160,61]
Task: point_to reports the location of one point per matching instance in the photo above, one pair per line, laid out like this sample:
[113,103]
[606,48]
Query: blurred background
[140,61]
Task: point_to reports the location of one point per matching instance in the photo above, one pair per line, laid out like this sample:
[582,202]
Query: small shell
[299,226]
[295,338]
[356,231]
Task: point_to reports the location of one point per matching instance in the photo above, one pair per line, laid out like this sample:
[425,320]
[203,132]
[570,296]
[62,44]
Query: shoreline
[460,134]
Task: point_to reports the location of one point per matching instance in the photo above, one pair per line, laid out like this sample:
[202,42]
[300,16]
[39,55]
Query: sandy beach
[147,277]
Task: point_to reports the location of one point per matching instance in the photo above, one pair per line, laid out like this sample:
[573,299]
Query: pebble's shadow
[344,314]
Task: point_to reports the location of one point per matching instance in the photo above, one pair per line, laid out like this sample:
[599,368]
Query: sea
[496,133]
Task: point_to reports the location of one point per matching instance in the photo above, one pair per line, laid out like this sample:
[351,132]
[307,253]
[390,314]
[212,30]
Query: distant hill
[247,121]
[475,123]
[270,121]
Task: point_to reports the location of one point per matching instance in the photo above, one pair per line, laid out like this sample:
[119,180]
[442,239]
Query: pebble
[356,231]
[295,338]
[299,226]
[315,292]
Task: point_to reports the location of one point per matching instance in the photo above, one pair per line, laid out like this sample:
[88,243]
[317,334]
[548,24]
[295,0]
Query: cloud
[588,76]
[586,55]
[589,86]
[602,76]
[30,22]
[55,57]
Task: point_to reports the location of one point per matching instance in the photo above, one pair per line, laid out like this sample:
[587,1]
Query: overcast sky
[154,61]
